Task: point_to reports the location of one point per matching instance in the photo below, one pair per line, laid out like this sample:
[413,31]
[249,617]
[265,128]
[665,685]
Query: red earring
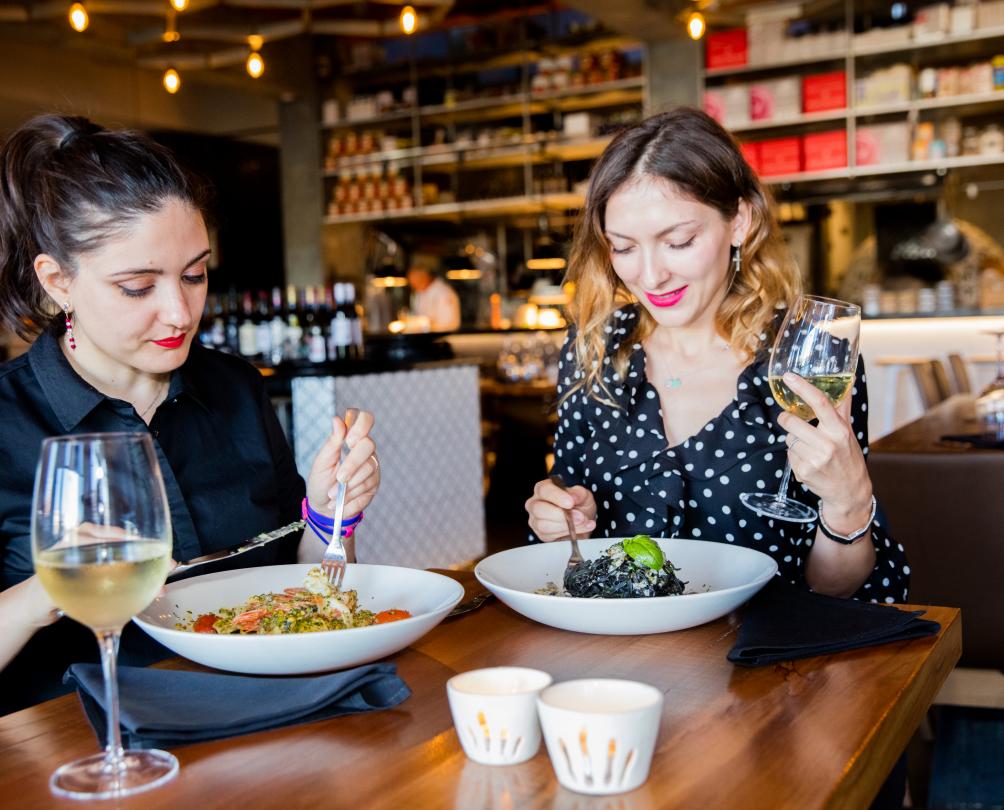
[69,326]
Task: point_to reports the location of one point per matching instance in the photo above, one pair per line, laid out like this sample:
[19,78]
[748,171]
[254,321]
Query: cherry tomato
[392,615]
[204,624]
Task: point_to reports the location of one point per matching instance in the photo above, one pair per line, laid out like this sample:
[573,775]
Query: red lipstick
[171,343]
[670,299]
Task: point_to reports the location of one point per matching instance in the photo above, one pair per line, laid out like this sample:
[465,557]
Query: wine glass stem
[1000,357]
[109,643]
[782,491]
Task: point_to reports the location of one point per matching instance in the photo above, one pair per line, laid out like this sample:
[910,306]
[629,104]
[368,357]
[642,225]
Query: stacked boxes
[726,49]
[882,143]
[824,91]
[776,99]
[824,150]
[780,156]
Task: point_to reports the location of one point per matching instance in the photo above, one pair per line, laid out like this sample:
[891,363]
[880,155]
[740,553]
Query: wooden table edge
[872,763]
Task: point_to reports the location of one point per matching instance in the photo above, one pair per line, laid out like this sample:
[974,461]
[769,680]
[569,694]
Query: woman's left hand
[826,457]
[360,468]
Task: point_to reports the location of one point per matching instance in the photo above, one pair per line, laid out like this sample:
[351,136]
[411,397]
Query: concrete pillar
[674,70]
[300,165]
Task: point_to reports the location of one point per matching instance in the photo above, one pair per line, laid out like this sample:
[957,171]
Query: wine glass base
[90,778]
[772,506]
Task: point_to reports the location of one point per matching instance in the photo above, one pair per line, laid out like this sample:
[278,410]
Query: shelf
[715,73]
[859,50]
[505,206]
[881,169]
[607,94]
[967,100]
[809,118]
[978,35]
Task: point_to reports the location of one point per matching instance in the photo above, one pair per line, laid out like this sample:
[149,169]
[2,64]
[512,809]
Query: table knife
[256,542]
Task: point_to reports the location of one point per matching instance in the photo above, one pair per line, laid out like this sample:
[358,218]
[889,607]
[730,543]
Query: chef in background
[432,297]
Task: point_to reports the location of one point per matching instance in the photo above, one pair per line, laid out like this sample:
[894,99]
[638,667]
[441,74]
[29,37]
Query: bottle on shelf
[263,328]
[317,351]
[294,332]
[341,327]
[233,322]
[247,331]
[277,328]
[355,321]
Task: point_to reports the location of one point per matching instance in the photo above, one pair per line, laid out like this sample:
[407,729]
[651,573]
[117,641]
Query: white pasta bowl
[719,576]
[427,596]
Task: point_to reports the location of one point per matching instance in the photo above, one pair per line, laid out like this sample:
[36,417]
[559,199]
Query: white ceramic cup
[600,734]
[495,713]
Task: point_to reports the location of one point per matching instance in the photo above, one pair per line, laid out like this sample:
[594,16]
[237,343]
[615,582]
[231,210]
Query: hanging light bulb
[696,25]
[79,18]
[409,19]
[255,65]
[179,5]
[172,81]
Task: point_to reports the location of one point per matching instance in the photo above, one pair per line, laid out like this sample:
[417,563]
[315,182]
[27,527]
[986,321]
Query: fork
[575,558]
[333,561]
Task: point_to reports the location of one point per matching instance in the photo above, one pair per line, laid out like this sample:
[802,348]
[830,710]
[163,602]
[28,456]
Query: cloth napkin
[784,622]
[977,440]
[160,708]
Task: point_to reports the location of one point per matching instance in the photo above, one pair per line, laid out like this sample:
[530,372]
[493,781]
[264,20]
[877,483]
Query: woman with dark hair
[103,260]
[665,413]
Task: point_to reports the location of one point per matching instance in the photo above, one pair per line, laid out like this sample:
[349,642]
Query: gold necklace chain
[160,391]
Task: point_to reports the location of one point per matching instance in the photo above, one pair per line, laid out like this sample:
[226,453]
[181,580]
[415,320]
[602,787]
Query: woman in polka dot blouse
[665,415]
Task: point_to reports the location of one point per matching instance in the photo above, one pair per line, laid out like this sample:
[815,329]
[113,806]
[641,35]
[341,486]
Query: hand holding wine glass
[811,372]
[101,542]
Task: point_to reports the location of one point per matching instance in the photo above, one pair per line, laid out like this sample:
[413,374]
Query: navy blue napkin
[783,622]
[162,708]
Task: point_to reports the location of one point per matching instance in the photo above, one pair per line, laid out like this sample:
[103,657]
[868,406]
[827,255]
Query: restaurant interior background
[356,148]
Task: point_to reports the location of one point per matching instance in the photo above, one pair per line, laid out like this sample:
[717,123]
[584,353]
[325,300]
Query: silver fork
[575,558]
[333,561]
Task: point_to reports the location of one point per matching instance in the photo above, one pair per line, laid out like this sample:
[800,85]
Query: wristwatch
[853,537]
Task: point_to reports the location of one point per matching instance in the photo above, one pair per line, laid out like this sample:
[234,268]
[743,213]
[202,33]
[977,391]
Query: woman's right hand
[546,509]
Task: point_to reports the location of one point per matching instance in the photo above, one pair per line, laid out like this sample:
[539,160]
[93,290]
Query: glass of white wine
[818,340]
[101,543]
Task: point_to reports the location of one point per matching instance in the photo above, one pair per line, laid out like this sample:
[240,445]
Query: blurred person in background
[432,297]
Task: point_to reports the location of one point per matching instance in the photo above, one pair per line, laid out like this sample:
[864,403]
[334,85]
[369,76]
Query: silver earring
[737,263]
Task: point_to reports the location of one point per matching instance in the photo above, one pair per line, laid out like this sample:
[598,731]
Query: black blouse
[227,467]
[642,485]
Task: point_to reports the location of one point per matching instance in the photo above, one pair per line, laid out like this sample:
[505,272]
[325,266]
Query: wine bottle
[247,333]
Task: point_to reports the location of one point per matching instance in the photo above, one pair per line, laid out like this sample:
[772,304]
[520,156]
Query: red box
[726,49]
[825,91]
[780,156]
[751,151]
[825,150]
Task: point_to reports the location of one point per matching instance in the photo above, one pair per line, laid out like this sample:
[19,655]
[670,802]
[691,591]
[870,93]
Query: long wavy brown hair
[690,150]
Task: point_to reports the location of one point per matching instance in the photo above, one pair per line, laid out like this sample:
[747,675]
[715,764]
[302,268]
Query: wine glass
[101,543]
[818,340]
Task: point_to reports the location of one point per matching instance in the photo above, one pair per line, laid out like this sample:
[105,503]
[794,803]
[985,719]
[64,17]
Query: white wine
[835,386]
[103,585]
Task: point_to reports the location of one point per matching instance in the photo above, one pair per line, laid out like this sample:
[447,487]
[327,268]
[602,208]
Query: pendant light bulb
[172,81]
[696,25]
[179,5]
[409,19]
[79,18]
[255,65]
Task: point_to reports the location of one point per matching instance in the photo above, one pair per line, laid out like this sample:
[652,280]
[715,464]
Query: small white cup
[600,734]
[495,713]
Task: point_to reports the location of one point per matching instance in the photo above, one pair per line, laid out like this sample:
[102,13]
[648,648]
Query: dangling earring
[737,264]
[69,325]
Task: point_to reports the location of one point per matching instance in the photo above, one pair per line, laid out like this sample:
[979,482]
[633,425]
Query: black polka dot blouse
[643,486]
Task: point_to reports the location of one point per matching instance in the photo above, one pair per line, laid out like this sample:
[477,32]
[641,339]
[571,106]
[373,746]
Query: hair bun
[75,127]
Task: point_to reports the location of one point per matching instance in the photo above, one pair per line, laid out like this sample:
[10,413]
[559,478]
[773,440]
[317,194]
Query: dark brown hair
[66,186]
[691,151]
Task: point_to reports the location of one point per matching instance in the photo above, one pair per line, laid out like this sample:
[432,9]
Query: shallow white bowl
[427,596]
[719,578]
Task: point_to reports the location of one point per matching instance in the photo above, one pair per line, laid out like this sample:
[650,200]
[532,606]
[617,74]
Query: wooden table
[821,732]
[953,417]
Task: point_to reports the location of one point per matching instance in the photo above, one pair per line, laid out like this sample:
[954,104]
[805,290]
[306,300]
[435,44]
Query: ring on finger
[794,440]
[376,463]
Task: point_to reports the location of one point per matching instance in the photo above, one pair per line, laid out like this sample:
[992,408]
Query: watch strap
[853,537]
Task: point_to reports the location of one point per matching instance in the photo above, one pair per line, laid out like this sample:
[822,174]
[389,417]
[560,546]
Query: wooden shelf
[716,73]
[505,206]
[809,118]
[944,102]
